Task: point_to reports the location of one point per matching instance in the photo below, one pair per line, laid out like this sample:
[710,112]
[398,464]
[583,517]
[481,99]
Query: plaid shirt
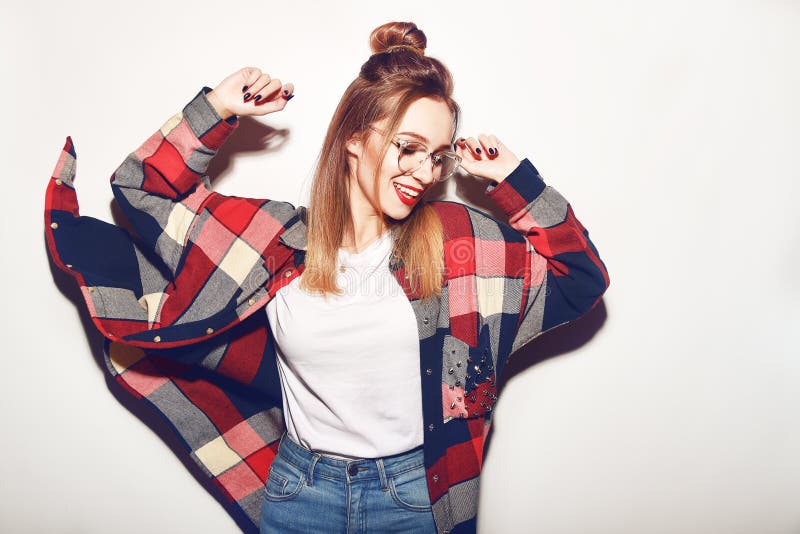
[181,306]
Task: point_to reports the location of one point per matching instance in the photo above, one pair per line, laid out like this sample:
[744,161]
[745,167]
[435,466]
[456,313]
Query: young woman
[331,369]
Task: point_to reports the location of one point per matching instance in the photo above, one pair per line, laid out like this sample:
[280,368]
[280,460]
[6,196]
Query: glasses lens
[447,165]
[412,155]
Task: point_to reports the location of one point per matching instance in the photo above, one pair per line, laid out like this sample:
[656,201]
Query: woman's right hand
[249,91]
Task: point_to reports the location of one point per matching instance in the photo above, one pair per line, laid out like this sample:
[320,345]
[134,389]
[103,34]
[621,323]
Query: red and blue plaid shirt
[181,306]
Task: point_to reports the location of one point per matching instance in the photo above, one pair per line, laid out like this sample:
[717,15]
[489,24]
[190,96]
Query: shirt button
[428,372]
[157,339]
[288,273]
[352,470]
[251,302]
[58,181]
[430,427]
[424,320]
[209,330]
[436,478]
[54,225]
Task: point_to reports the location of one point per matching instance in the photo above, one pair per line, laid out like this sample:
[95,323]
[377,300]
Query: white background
[672,128]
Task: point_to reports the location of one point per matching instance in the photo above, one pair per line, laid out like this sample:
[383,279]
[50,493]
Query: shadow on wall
[251,137]
[561,340]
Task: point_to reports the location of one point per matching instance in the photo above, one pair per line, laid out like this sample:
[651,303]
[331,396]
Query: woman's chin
[397,213]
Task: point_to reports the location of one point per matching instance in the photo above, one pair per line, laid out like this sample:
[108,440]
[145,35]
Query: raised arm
[160,186]
[564,276]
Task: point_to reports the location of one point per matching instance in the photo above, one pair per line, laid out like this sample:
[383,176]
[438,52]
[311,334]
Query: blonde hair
[396,74]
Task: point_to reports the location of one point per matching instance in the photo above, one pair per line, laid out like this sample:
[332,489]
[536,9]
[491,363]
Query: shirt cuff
[206,123]
[519,189]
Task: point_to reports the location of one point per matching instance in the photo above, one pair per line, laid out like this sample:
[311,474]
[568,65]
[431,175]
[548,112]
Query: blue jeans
[308,493]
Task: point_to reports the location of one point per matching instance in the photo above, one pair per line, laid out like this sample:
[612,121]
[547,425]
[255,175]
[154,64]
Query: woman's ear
[354,145]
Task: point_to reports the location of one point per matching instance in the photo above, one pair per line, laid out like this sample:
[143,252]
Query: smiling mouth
[406,194]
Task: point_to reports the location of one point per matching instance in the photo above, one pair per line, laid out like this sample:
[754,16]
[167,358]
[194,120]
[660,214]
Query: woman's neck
[368,225]
[366,230]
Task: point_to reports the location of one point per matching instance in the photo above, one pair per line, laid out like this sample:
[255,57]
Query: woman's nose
[425,172]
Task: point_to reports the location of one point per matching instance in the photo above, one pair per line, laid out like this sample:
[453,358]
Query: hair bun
[397,36]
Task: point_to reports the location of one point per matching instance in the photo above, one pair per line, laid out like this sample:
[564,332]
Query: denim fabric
[308,492]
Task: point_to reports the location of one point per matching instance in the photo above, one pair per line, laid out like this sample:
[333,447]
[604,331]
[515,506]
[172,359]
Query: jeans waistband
[316,464]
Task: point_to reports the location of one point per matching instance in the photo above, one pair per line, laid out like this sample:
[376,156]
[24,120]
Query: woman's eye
[411,148]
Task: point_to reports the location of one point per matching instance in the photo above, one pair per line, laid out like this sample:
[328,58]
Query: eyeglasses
[413,155]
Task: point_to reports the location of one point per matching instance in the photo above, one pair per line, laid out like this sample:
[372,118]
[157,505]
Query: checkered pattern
[177,305]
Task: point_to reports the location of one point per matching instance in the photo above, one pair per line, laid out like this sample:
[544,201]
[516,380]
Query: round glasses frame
[402,145]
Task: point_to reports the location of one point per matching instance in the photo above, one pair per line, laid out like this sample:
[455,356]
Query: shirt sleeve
[564,276]
[161,186]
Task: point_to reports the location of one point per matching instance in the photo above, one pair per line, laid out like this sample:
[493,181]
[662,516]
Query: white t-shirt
[350,365]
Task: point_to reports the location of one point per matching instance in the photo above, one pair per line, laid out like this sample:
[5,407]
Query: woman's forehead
[429,121]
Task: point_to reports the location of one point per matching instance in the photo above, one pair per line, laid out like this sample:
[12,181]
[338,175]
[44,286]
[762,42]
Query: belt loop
[310,478]
[382,474]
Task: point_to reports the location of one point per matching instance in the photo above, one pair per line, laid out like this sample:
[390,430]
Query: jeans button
[352,470]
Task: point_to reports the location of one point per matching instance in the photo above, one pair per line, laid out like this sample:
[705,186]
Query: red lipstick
[406,198]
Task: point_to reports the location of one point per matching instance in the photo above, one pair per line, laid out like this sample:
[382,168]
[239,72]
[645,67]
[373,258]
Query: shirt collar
[295,234]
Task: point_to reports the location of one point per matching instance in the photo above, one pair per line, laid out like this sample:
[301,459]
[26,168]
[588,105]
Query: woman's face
[428,121]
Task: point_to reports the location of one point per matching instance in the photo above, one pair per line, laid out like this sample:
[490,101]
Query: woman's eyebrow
[424,139]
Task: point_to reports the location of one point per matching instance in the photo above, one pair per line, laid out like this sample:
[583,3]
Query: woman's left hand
[486,157]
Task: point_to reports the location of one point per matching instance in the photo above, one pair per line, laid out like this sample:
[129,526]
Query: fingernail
[257,98]
[491,151]
[289,97]
[244,88]
[246,96]
[478,151]
[286,92]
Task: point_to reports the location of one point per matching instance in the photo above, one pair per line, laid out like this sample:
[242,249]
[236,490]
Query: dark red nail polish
[491,152]
[289,97]
[257,98]
[286,92]
[244,88]
[246,96]
[478,151]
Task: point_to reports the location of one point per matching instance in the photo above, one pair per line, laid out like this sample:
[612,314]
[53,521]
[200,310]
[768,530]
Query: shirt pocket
[468,379]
